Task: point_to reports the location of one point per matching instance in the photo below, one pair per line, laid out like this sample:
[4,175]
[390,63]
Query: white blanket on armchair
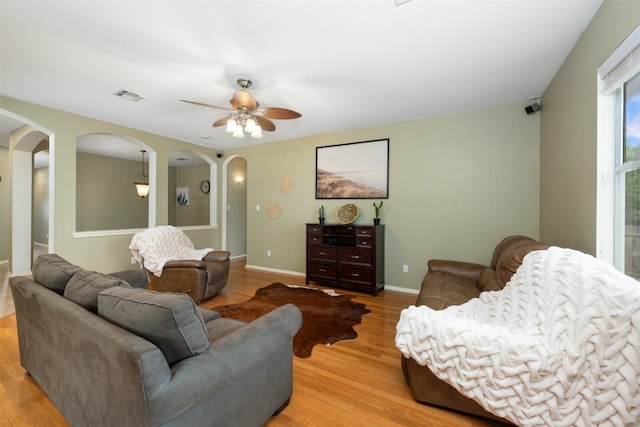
[153,247]
[558,346]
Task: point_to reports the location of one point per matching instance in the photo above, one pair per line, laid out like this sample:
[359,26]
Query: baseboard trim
[296,273]
[403,290]
[233,258]
[274,270]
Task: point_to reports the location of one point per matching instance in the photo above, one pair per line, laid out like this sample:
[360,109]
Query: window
[618,157]
[627,176]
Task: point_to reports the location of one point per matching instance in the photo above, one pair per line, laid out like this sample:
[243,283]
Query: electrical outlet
[405,268]
[268,253]
[257,208]
[133,260]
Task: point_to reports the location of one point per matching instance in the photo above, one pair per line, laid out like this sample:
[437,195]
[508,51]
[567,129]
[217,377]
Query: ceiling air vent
[129,96]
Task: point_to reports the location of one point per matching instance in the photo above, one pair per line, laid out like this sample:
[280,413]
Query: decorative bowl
[347,213]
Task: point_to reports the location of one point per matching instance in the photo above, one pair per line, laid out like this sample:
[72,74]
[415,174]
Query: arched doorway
[23,141]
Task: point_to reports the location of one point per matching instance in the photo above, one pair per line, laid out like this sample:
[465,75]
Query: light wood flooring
[351,383]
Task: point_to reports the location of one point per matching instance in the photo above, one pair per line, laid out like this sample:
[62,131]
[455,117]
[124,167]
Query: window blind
[623,64]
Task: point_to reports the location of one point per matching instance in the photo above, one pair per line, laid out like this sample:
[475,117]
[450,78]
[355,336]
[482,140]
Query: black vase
[321,219]
[376,221]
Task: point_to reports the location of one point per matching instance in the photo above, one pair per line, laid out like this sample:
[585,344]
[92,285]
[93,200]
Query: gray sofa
[110,354]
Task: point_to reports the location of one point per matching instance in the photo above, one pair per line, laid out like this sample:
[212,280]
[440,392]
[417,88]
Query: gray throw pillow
[84,286]
[170,321]
[53,272]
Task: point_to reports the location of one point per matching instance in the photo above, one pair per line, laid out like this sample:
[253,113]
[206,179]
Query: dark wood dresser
[348,256]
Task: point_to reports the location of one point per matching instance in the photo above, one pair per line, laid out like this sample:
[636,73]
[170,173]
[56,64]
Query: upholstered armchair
[173,264]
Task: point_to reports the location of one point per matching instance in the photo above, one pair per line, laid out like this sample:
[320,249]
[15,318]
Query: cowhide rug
[327,318]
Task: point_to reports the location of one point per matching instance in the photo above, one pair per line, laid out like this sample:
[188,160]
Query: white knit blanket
[155,246]
[558,346]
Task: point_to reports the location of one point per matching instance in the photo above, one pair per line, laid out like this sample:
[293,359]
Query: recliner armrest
[217,256]
[185,263]
[468,270]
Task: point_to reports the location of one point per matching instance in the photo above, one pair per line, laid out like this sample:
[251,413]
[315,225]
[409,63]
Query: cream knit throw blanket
[155,246]
[558,346]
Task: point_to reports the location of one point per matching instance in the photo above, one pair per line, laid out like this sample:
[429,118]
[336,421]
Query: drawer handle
[355,275]
[322,270]
[322,253]
[355,256]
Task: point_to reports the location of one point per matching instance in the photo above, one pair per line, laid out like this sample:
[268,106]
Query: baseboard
[232,258]
[403,290]
[275,270]
[296,273]
[43,245]
[4,261]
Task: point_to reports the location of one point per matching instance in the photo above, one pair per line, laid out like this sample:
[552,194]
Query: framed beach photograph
[356,170]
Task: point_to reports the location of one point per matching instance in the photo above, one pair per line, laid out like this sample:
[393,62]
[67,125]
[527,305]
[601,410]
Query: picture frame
[355,170]
[182,196]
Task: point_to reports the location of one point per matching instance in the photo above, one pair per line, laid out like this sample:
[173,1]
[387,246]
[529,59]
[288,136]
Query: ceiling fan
[245,114]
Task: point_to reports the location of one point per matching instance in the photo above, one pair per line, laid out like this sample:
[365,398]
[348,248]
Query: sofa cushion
[53,272]
[488,280]
[511,258]
[441,290]
[170,321]
[84,286]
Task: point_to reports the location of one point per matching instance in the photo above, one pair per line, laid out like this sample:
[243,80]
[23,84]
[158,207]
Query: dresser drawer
[323,253]
[314,239]
[364,242]
[365,231]
[326,271]
[355,256]
[355,274]
[314,229]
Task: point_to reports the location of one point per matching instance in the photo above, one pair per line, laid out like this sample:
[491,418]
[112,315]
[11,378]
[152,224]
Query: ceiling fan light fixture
[250,126]
[238,132]
[231,125]
[257,132]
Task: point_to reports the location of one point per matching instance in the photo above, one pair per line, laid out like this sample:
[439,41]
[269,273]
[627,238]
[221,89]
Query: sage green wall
[101,253]
[197,212]
[568,132]
[40,229]
[5,204]
[237,207]
[106,198]
[457,185]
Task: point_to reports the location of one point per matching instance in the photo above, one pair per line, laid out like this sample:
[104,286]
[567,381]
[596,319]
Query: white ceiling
[343,64]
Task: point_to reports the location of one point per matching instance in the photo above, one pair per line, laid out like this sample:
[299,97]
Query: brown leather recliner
[198,279]
[452,283]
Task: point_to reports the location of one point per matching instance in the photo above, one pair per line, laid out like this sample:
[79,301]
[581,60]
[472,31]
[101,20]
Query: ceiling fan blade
[220,122]
[265,124]
[280,113]
[204,105]
[243,99]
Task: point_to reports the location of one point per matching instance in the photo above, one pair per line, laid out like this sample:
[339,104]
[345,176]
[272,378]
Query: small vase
[321,219]
[376,221]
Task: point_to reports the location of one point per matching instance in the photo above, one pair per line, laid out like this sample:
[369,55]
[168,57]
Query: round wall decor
[205,186]
[287,184]
[273,210]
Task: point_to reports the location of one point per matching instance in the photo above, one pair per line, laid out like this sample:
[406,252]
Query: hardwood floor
[351,383]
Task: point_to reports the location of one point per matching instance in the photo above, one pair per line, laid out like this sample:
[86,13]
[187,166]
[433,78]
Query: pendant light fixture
[142,187]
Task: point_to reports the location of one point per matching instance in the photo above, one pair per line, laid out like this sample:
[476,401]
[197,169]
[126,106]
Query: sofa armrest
[468,270]
[217,256]
[263,346]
